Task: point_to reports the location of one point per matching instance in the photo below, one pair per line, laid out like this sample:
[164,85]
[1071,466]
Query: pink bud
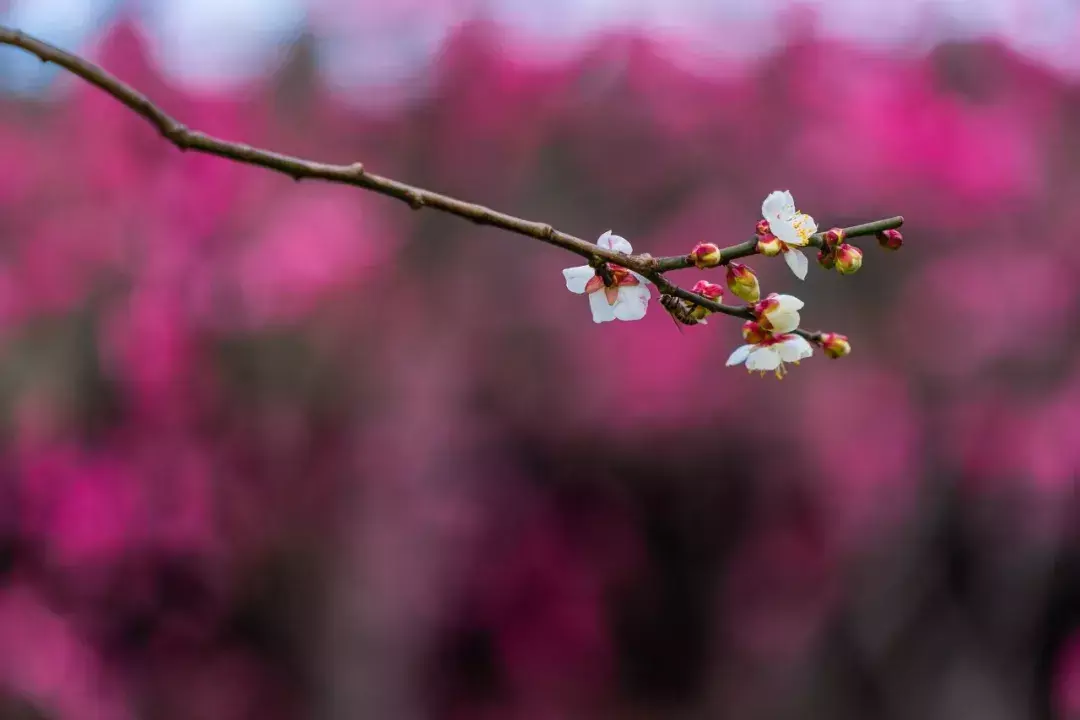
[827,259]
[835,345]
[833,237]
[890,239]
[762,229]
[769,245]
[848,259]
[708,289]
[705,255]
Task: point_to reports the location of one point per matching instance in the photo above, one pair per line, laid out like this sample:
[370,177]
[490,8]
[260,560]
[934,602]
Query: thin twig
[417,198]
[677,262]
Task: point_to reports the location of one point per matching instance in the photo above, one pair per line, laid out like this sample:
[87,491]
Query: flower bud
[827,259]
[708,289]
[762,228]
[712,291]
[753,333]
[835,345]
[705,255]
[769,245]
[833,237]
[848,259]
[743,283]
[890,239]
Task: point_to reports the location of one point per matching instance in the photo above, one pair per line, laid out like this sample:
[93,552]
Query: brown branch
[297,168]
[417,198]
[355,174]
[677,262]
[744,311]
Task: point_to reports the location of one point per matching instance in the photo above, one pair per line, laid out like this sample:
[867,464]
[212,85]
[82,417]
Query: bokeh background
[276,450]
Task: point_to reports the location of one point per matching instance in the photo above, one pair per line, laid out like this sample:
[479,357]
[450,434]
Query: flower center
[800,225]
[620,277]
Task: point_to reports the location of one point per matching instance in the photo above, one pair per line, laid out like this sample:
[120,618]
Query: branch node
[357,169]
[177,134]
[416,200]
[547,232]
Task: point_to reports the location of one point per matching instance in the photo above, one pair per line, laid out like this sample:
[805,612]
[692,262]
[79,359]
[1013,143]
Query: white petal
[615,242]
[739,356]
[787,232]
[788,303]
[779,206]
[601,311]
[577,277]
[797,262]
[764,358]
[641,278]
[632,303]
[784,322]
[794,349]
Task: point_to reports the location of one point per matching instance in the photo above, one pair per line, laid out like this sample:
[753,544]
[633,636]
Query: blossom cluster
[771,334]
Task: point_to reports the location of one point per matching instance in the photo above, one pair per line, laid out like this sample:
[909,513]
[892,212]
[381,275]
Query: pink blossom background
[278,450]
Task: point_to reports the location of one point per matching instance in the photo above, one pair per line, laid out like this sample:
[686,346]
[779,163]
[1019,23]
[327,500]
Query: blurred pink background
[276,450]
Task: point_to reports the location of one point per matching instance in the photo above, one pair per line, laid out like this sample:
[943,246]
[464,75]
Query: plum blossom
[767,352]
[778,313]
[790,227]
[627,299]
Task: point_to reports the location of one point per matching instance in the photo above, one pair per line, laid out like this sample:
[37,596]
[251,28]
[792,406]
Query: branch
[297,168]
[355,174]
[417,198]
[744,312]
[677,262]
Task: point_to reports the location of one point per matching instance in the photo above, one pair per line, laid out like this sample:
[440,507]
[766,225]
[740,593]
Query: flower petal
[779,206]
[797,262]
[786,232]
[764,358]
[601,311]
[577,277]
[633,302]
[641,278]
[783,322]
[788,303]
[739,356]
[794,348]
[615,242]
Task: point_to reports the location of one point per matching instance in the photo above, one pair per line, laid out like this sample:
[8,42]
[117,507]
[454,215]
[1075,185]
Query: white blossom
[779,314]
[791,227]
[770,352]
[627,300]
